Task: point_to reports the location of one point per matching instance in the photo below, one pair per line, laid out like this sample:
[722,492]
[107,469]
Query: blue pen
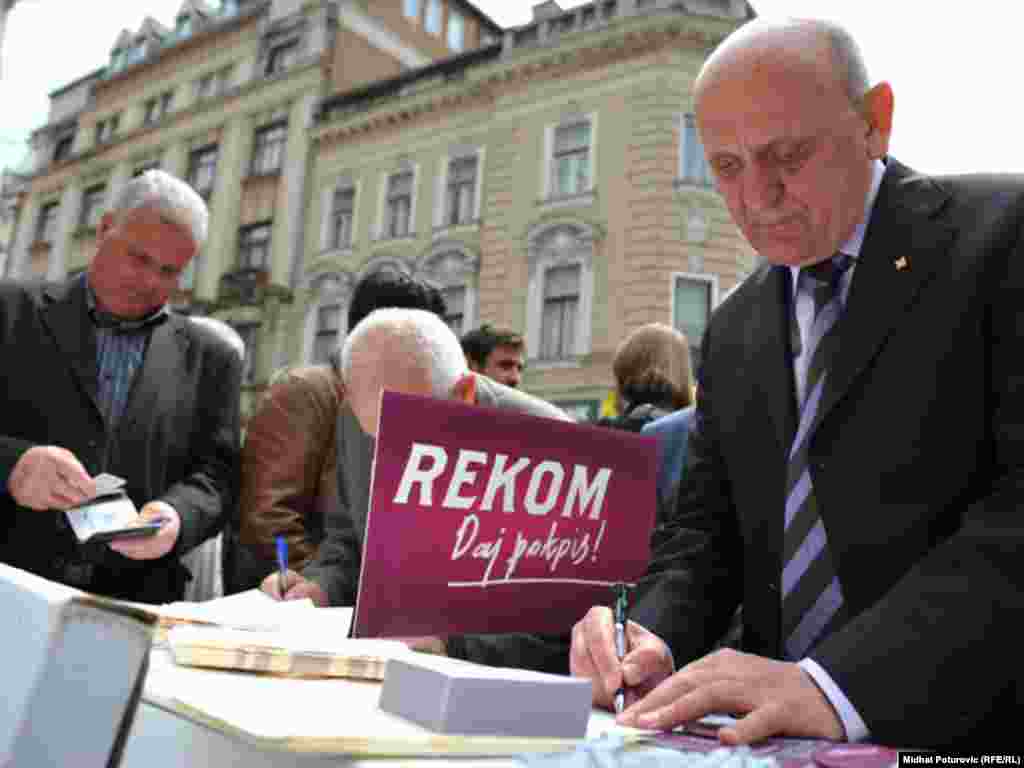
[282,564]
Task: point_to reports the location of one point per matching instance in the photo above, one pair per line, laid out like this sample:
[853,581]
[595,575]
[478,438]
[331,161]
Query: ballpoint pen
[282,564]
[621,613]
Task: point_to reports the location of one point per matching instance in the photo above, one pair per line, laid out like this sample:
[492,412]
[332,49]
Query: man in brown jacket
[289,460]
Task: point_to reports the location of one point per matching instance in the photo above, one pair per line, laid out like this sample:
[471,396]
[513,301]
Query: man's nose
[763,186]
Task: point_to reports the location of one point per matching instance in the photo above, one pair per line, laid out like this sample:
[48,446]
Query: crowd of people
[838,489]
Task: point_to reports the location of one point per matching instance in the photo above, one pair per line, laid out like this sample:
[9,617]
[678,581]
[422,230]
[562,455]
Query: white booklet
[109,511]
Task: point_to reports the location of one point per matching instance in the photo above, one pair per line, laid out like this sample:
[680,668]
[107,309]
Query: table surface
[193,717]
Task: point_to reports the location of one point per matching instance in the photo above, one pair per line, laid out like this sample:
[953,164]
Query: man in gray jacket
[414,352]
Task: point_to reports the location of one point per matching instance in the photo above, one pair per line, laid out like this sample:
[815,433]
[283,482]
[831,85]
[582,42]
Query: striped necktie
[811,596]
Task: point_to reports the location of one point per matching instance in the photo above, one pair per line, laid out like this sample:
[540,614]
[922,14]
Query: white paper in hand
[107,484]
[101,514]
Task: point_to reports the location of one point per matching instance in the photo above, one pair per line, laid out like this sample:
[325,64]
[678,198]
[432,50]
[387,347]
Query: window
[46,224]
[183,27]
[342,207]
[558,321]
[202,169]
[254,246]
[229,7]
[92,206]
[282,56]
[455,308]
[157,107]
[560,291]
[433,21]
[692,297]
[398,205]
[570,165]
[63,146]
[137,52]
[268,148]
[328,323]
[105,129]
[250,337]
[460,198]
[411,9]
[456,30]
[693,167]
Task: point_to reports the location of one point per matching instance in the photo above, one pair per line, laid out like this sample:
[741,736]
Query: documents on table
[287,651]
[327,716]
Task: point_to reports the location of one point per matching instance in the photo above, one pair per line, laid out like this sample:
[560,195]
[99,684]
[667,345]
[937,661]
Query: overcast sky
[958,94]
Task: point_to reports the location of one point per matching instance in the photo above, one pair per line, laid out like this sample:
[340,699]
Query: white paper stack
[456,697]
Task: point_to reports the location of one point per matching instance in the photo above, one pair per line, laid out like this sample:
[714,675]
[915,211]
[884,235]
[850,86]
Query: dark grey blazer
[178,440]
[918,464]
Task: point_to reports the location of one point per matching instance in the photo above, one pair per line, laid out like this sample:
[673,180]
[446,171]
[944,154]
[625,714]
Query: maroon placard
[490,521]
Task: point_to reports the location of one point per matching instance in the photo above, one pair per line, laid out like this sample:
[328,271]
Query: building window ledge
[453,230]
[335,253]
[568,201]
[691,185]
[409,238]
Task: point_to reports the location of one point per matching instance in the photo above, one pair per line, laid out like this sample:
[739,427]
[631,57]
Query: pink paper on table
[491,521]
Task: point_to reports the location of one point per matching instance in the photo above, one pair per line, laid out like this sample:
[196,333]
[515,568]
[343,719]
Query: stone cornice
[620,42]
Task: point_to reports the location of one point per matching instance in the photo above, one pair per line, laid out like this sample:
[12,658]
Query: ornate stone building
[552,182]
[548,177]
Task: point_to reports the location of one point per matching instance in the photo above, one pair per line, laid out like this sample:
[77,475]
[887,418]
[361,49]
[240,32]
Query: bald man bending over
[414,352]
[856,466]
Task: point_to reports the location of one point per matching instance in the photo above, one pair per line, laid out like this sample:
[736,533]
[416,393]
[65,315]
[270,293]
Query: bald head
[403,350]
[822,47]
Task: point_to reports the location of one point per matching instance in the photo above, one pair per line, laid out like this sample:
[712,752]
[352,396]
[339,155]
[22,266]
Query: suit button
[773,587]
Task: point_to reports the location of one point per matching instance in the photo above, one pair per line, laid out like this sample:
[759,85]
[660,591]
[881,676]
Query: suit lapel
[165,359]
[905,242]
[768,340]
[66,317]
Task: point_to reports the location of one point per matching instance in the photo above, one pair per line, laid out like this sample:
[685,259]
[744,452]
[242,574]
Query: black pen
[621,617]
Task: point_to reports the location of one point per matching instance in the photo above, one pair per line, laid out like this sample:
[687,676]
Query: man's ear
[877,108]
[465,389]
[106,224]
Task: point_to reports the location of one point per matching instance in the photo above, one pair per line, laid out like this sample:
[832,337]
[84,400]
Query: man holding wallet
[103,378]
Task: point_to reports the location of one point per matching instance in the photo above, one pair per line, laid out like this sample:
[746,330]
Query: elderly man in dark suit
[855,467]
[101,376]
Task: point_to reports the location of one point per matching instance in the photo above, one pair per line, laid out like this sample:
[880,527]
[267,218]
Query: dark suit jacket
[177,440]
[917,465]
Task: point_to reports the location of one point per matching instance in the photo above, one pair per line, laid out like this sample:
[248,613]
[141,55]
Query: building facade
[224,98]
[547,177]
[552,182]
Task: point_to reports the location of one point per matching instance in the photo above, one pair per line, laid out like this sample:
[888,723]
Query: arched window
[330,294]
[560,291]
[456,269]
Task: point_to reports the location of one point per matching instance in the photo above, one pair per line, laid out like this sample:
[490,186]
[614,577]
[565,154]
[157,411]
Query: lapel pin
[901,263]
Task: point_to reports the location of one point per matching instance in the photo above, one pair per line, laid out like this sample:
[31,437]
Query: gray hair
[176,201]
[421,337]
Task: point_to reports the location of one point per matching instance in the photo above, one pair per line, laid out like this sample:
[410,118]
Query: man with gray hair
[102,377]
[414,352]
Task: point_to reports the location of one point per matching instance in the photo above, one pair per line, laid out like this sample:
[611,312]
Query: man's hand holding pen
[646,660]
